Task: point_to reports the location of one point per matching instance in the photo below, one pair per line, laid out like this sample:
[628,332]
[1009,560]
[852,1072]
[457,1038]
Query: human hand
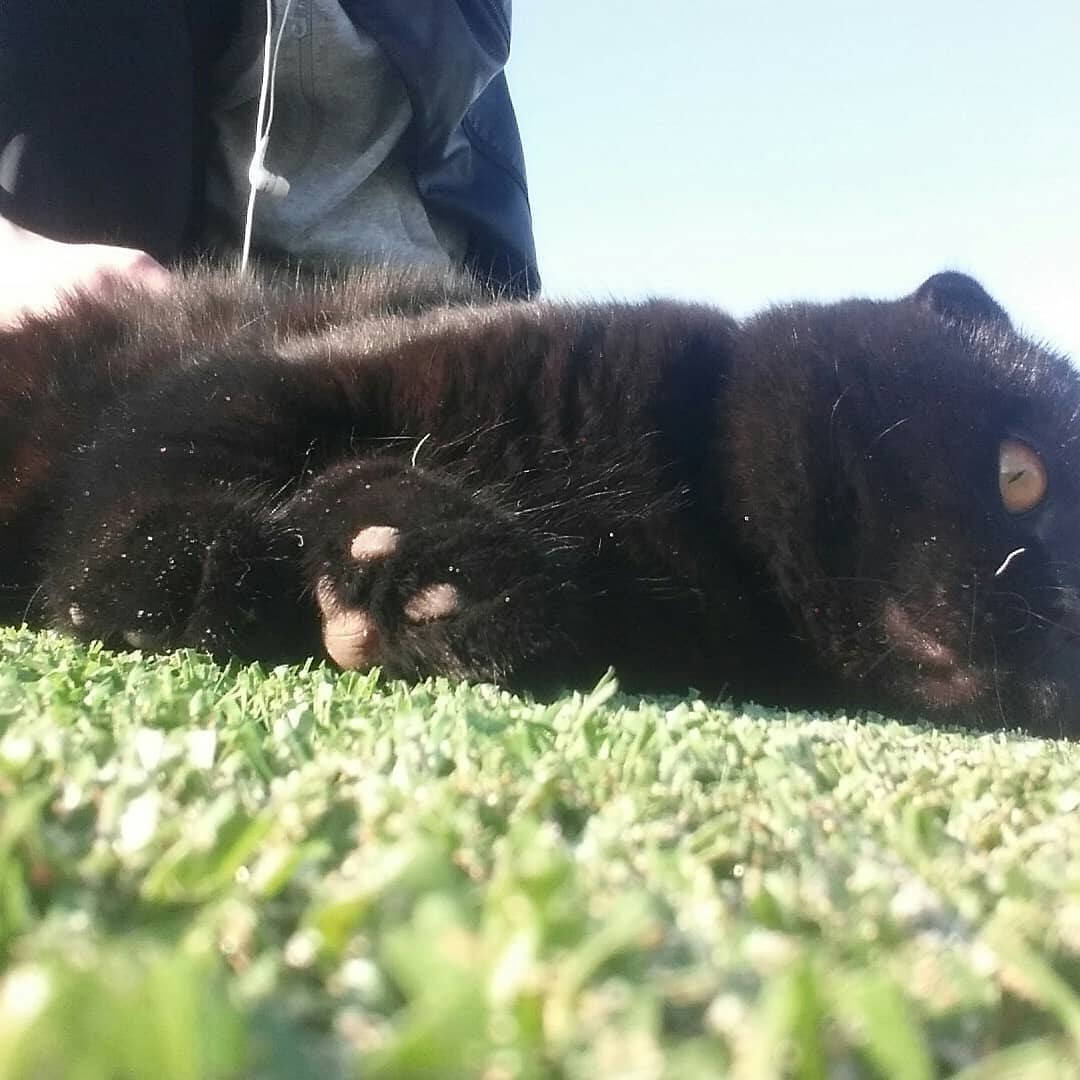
[36,272]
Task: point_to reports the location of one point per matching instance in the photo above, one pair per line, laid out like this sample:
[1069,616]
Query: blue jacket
[468,160]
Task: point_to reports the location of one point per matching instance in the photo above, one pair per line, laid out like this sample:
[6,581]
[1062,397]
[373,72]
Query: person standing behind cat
[127,129]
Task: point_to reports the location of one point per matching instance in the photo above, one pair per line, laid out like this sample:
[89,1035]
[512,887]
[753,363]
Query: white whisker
[416,449]
[891,427]
[1008,559]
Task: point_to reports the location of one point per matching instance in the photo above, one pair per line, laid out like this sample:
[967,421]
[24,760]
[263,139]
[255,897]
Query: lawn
[230,872]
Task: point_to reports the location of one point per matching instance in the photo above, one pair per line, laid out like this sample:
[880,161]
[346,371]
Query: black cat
[863,503]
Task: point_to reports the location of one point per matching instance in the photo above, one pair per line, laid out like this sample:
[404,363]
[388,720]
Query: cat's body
[804,509]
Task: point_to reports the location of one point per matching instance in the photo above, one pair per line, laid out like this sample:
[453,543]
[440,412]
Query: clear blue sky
[759,151]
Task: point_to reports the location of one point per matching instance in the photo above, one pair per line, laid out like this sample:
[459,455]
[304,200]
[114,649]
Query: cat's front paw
[200,575]
[416,576]
[352,635]
[131,579]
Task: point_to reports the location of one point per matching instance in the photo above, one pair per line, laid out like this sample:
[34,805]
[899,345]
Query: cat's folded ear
[957,296]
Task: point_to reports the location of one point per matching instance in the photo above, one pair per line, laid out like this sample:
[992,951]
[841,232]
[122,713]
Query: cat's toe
[351,636]
[432,602]
[375,542]
[143,640]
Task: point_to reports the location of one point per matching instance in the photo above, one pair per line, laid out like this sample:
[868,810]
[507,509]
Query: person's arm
[36,272]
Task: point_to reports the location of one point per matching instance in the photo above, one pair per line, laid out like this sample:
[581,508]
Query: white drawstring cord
[259,179]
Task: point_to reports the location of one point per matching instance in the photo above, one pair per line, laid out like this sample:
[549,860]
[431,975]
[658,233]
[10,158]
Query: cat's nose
[914,643]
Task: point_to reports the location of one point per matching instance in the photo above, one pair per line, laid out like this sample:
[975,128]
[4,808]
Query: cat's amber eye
[1021,476]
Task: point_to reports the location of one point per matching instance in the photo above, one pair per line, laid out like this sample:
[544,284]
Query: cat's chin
[1044,708]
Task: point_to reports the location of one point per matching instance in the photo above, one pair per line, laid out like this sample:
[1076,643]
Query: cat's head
[914,484]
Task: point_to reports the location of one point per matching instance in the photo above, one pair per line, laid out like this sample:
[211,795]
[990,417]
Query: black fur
[802,509]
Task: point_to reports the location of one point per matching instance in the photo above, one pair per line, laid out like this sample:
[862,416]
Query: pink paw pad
[374,542]
[432,602]
[350,635]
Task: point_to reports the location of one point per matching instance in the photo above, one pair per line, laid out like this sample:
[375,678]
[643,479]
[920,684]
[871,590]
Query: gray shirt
[341,115]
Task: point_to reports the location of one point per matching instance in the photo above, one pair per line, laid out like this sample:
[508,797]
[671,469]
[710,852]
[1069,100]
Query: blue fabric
[110,101]
[468,160]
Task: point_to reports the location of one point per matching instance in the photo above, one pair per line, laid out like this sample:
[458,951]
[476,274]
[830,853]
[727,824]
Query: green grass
[211,872]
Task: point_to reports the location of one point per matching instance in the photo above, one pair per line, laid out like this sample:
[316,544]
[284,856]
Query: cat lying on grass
[854,504]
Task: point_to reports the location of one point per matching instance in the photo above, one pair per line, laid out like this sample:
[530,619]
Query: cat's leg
[414,572]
